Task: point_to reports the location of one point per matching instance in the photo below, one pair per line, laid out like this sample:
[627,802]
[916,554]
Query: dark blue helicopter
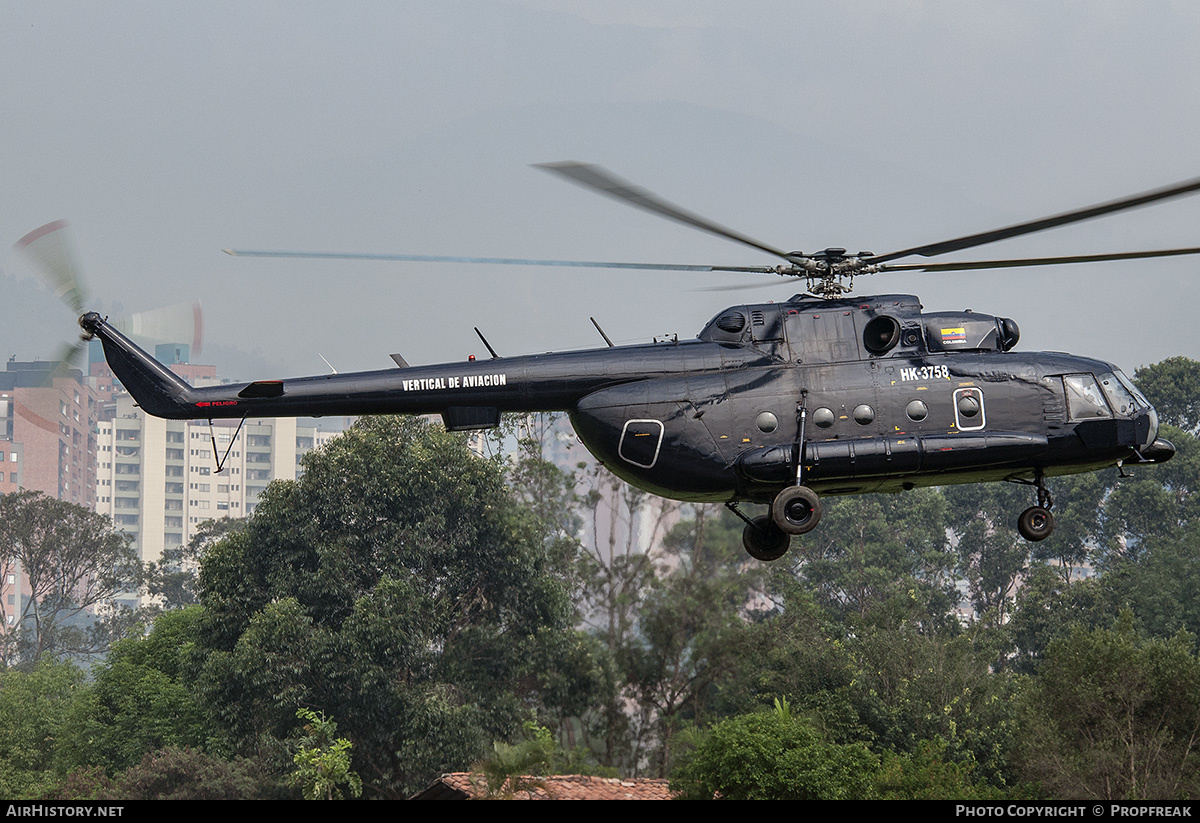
[772,403]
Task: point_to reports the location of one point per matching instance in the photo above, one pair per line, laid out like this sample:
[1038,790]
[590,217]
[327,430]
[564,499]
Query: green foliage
[186,774]
[1113,716]
[323,761]
[1161,587]
[927,774]
[891,682]
[34,706]
[513,768]
[173,581]
[83,783]
[400,586]
[1047,608]
[991,556]
[73,561]
[1173,387]
[693,626]
[774,755]
[140,701]
[881,552]
[1154,503]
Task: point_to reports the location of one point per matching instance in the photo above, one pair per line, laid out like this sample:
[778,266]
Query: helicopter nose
[1160,451]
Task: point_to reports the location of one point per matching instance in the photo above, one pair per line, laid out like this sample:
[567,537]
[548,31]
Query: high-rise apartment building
[159,479]
[48,444]
[47,436]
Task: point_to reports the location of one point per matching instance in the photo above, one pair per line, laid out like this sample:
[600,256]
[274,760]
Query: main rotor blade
[49,247]
[967,265]
[502,261]
[603,181]
[1086,213]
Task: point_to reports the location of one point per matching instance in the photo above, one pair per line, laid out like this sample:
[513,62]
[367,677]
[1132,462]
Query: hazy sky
[168,131]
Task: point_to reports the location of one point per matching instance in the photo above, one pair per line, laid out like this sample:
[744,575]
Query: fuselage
[854,395]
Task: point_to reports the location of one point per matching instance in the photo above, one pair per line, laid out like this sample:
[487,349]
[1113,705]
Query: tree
[74,563]
[991,556]
[187,774]
[141,700]
[876,549]
[513,768]
[693,624]
[322,761]
[34,706]
[927,774]
[1113,716]
[174,579]
[890,679]
[1173,387]
[774,755]
[399,586]
[618,566]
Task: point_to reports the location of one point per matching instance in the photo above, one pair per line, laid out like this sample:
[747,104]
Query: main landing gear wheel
[1035,523]
[764,540]
[796,510]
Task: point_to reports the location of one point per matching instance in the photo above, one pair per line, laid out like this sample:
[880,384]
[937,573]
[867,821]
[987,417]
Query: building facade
[160,480]
[48,413]
[47,431]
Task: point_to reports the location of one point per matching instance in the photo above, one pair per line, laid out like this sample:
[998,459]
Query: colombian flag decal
[958,335]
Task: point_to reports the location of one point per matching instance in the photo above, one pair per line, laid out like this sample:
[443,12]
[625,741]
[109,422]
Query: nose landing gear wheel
[796,510]
[1035,523]
[764,540]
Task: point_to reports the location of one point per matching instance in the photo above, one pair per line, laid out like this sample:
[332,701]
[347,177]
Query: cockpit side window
[1084,398]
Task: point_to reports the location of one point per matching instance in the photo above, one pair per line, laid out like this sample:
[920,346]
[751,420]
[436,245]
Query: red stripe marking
[38,233]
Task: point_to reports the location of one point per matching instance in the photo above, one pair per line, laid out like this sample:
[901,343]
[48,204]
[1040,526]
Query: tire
[764,540]
[796,510]
[1035,524]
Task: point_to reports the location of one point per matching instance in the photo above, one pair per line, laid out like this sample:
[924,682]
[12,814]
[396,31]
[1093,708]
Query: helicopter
[776,403]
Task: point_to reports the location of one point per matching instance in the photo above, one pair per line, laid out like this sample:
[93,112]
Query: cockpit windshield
[1119,397]
[1139,398]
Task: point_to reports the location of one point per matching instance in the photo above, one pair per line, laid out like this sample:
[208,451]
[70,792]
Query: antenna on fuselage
[486,343]
[602,334]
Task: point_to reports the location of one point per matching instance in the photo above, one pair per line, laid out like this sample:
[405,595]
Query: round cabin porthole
[863,414]
[917,411]
[823,418]
[968,405]
[767,422]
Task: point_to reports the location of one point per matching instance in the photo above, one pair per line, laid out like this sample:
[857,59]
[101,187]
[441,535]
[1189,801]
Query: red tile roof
[473,786]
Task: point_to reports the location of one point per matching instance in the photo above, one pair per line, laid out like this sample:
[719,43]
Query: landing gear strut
[797,509]
[1037,523]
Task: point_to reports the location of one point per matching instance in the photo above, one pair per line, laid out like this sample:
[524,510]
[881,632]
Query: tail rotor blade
[64,360]
[180,323]
[49,247]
